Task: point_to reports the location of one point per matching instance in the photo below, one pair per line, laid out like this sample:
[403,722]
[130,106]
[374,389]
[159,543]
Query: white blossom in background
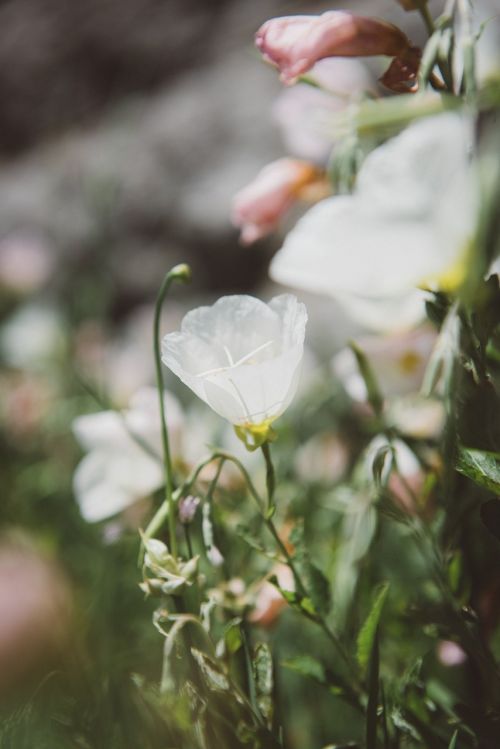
[301,111]
[398,362]
[124,454]
[407,225]
[241,356]
[32,336]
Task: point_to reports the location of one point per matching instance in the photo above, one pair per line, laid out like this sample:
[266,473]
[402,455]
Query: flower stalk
[182,274]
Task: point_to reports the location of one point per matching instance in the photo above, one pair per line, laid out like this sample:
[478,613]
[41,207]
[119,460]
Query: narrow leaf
[214,677]
[453,740]
[373,391]
[367,632]
[371,710]
[306,665]
[263,676]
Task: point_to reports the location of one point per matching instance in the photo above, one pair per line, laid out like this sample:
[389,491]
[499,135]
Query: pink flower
[450,654]
[259,206]
[295,43]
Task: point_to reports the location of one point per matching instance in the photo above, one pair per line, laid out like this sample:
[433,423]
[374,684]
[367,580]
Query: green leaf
[375,397]
[453,741]
[301,603]
[316,583]
[232,636]
[366,636]
[214,677]
[306,665]
[371,710]
[263,676]
[480,466]
[247,536]
[378,465]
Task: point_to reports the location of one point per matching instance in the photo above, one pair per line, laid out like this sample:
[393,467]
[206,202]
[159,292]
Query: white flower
[241,356]
[398,362]
[32,337]
[407,225]
[124,461]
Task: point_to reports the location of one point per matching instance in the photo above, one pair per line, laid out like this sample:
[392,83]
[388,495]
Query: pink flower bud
[259,206]
[295,43]
[450,654]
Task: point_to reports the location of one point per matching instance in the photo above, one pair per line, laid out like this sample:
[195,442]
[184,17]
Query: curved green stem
[181,273]
[160,517]
[301,587]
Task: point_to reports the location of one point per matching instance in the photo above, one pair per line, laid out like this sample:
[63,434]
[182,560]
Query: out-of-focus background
[125,128]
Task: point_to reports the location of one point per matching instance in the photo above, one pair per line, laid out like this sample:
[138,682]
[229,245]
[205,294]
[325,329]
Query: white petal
[97,498]
[106,482]
[339,246]
[241,356]
[100,429]
[408,222]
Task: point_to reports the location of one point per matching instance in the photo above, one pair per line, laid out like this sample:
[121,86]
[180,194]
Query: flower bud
[295,43]
[450,654]
[187,509]
[259,206]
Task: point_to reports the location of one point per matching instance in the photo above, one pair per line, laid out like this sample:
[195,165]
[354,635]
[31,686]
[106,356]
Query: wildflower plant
[361,610]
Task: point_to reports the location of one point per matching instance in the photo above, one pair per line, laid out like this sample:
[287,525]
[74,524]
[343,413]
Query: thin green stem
[301,587]
[161,515]
[270,478]
[182,274]
[187,535]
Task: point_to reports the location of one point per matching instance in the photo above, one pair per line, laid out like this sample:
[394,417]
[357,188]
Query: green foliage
[481,467]
[368,633]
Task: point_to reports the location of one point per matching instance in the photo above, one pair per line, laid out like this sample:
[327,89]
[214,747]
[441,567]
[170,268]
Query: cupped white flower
[123,464]
[241,356]
[408,225]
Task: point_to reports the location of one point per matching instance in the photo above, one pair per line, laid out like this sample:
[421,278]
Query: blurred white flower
[241,356]
[417,416]
[407,225]
[398,362]
[32,336]
[323,458]
[124,461]
[301,111]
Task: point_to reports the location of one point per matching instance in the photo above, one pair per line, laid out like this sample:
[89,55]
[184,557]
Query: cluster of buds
[296,45]
[170,575]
